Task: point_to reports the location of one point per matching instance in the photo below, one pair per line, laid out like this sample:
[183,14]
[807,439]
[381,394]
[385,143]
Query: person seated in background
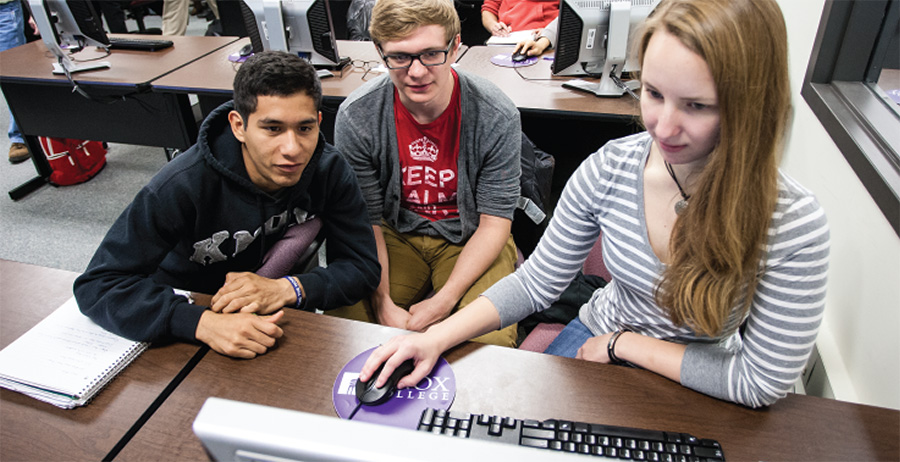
[358,14]
[501,17]
[437,153]
[541,41]
[718,260]
[207,219]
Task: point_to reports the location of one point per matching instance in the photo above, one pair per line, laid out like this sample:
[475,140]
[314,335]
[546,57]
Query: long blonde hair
[718,242]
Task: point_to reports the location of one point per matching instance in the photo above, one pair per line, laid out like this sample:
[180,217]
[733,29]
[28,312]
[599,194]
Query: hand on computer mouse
[417,347]
[371,395]
[519,56]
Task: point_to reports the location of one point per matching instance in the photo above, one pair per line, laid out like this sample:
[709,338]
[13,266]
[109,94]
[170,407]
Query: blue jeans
[571,338]
[12,34]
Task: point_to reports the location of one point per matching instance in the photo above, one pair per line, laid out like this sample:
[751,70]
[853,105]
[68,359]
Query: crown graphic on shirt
[423,149]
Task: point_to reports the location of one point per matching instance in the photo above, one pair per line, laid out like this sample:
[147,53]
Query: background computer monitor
[303,27]
[67,26]
[595,38]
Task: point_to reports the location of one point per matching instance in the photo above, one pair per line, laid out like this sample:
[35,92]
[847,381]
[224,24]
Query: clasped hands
[243,316]
[419,317]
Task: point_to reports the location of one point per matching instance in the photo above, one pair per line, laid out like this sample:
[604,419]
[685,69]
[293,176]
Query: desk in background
[569,124]
[545,95]
[34,430]
[44,104]
[211,78]
[300,372]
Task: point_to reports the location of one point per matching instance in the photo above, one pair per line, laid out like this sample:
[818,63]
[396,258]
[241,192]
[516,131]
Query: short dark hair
[274,73]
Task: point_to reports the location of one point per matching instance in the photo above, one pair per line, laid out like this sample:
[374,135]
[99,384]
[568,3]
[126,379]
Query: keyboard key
[535,443]
[427,416]
[538,433]
[707,452]
[531,424]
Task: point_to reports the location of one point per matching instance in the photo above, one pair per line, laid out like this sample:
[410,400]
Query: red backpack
[73,161]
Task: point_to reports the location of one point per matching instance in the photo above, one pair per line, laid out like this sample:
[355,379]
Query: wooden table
[545,94]
[122,108]
[300,372]
[211,79]
[35,430]
[213,75]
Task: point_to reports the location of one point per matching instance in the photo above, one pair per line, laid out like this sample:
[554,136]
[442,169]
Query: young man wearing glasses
[437,155]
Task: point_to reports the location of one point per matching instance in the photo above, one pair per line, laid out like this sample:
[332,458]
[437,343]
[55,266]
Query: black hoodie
[201,217]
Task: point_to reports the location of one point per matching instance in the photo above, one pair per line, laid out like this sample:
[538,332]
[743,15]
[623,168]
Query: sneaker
[18,152]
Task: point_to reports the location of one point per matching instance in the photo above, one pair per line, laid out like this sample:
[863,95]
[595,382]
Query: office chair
[544,333]
[296,249]
[139,9]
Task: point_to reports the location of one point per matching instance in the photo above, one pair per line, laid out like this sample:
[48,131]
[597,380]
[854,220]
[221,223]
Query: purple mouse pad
[505,60]
[437,390]
[237,58]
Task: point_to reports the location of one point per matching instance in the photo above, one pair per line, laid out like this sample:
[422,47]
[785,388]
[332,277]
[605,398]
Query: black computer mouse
[369,395]
[518,57]
[247,50]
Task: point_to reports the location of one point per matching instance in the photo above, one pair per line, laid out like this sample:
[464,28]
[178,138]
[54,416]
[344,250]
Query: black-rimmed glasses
[427,58]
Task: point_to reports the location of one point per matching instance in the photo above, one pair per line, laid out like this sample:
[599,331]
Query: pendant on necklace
[680,206]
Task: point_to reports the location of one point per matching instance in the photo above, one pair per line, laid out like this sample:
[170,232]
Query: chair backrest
[291,250]
[594,263]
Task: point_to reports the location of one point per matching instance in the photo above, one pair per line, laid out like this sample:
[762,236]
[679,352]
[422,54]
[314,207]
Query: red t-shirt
[428,159]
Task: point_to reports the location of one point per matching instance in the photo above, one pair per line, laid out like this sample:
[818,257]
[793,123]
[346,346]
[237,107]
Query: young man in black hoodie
[207,219]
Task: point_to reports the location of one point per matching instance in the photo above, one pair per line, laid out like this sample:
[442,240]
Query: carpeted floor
[60,227]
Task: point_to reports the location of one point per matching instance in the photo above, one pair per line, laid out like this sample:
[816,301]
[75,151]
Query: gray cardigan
[489,161]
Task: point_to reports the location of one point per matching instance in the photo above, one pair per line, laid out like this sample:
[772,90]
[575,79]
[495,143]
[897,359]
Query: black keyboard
[561,435]
[138,44]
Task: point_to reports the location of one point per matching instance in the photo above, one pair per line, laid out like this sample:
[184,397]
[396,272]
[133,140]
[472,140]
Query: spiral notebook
[65,359]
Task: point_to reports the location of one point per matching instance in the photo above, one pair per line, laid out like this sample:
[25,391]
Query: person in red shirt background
[501,17]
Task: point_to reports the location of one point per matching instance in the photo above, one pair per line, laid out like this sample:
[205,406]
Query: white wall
[860,336]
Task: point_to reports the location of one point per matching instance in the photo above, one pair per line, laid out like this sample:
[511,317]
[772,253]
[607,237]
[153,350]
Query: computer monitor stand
[64,62]
[344,62]
[616,55]
[606,87]
[80,67]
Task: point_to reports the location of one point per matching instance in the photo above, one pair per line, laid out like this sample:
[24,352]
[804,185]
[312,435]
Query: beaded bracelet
[611,347]
[297,290]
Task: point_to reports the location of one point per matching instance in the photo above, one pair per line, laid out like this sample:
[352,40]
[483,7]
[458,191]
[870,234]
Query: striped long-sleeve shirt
[755,367]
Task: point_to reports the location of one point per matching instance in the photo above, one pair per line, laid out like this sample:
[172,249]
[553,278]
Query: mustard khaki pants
[421,264]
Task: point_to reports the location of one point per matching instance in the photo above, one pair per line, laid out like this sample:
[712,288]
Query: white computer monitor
[302,27]
[595,38]
[67,26]
[234,430]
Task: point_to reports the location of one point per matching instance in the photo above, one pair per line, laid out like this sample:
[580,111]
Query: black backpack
[530,218]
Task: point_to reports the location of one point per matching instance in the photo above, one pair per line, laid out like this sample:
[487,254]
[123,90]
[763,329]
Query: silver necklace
[683,202]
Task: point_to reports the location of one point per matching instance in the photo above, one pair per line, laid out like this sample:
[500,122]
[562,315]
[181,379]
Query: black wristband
[611,347]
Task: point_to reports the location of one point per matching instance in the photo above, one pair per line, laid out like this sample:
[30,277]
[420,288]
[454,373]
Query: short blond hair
[398,19]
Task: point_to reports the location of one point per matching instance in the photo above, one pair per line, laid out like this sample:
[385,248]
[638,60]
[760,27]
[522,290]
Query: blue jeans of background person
[12,34]
[571,338]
